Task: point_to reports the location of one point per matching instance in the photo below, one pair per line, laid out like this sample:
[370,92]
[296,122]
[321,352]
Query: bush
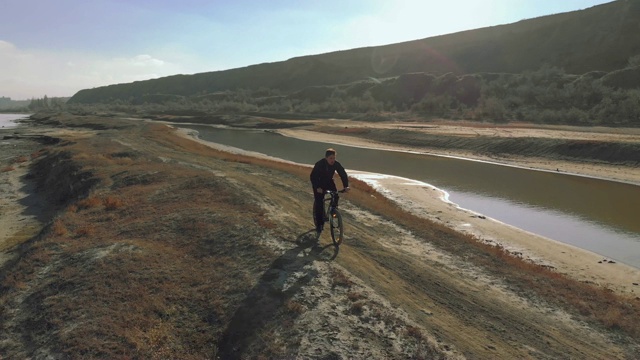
[576,117]
[112,203]
[493,109]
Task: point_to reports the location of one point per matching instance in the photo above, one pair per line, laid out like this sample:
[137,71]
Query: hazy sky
[57,47]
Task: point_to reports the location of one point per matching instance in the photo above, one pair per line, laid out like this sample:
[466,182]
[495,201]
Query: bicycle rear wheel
[337,229]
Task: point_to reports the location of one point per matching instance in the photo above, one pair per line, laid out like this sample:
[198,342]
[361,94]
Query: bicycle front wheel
[337,229]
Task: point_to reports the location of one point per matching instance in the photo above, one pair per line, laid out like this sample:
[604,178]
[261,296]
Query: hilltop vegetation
[545,96]
[7,105]
[579,68]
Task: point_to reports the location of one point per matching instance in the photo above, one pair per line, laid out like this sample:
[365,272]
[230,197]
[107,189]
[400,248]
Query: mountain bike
[333,216]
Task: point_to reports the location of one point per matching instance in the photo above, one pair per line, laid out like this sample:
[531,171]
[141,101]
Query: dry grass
[355,296]
[156,276]
[112,203]
[88,203]
[340,279]
[7,169]
[37,154]
[58,228]
[415,332]
[20,159]
[294,307]
[86,230]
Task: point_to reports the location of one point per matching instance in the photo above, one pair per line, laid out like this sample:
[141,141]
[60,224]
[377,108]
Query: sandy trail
[20,208]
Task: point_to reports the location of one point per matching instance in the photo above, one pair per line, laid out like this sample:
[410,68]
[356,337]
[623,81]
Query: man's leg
[318,204]
[337,198]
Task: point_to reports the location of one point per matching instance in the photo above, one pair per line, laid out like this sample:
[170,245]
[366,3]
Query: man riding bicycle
[322,180]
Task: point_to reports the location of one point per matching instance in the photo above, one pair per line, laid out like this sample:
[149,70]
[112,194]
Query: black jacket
[322,175]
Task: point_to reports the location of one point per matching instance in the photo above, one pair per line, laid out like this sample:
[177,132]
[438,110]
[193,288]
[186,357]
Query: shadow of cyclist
[309,239]
[265,303]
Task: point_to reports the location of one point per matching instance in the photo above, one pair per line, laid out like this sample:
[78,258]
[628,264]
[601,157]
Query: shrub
[357,307]
[88,203]
[37,154]
[58,228]
[414,332]
[112,203]
[354,296]
[493,109]
[86,230]
[294,307]
[577,117]
[20,159]
[339,278]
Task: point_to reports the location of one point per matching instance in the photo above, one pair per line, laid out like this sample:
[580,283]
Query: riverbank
[421,199]
[356,134]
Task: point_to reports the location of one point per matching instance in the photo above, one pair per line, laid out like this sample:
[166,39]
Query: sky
[58,47]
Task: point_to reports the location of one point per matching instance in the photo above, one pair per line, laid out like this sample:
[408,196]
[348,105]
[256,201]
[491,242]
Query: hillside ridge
[600,38]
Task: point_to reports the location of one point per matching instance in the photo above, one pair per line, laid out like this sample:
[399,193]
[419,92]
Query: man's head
[330,155]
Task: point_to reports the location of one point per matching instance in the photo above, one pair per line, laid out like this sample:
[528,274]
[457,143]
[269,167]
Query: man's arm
[343,175]
[315,177]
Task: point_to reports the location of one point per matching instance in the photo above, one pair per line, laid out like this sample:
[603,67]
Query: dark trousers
[318,211]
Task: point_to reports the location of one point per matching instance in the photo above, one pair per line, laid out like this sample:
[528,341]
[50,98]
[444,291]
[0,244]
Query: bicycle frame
[331,200]
[333,216]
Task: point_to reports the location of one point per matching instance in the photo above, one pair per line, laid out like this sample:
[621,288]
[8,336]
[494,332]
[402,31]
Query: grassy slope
[160,250]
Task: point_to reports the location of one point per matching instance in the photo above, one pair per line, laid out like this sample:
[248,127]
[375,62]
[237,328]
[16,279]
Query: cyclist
[322,180]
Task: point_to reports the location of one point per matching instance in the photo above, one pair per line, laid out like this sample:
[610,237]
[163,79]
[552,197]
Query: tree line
[547,96]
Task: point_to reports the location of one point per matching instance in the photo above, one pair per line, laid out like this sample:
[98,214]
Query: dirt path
[20,207]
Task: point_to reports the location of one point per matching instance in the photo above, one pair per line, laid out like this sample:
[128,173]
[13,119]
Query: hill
[601,38]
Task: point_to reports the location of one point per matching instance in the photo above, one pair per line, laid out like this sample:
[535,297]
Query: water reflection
[554,224]
[8,120]
[597,215]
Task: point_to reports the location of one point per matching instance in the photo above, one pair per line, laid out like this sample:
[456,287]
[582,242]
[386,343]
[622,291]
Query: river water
[8,120]
[593,214]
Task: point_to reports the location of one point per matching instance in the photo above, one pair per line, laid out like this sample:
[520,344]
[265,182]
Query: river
[594,214]
[8,120]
